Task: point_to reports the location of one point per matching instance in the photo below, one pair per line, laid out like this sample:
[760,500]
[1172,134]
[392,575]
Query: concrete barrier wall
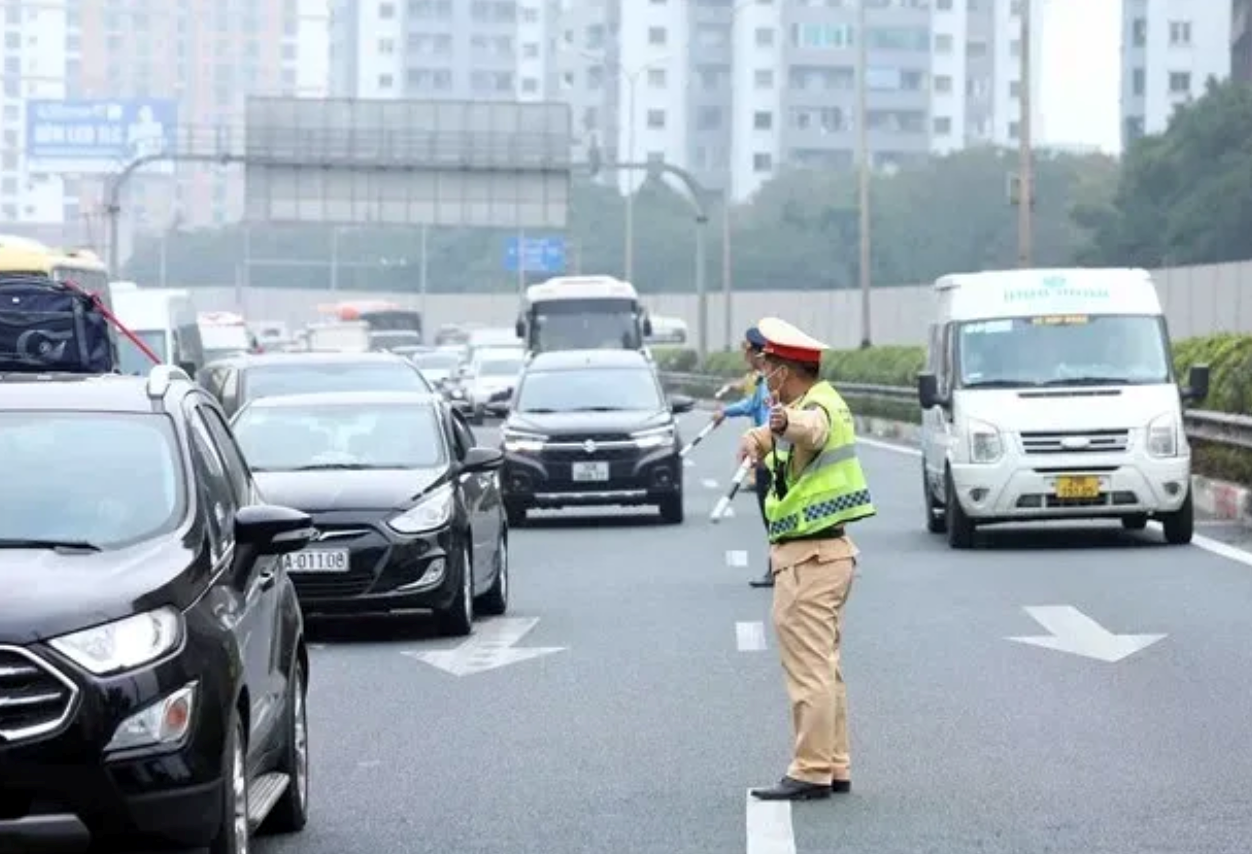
[1198,301]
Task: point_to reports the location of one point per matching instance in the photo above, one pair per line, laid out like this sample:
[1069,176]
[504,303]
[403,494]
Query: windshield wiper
[539,411]
[67,545]
[1092,381]
[1000,384]
[335,467]
[598,409]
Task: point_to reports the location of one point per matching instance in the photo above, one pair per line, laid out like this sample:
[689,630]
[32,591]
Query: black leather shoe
[766,580]
[789,789]
[841,787]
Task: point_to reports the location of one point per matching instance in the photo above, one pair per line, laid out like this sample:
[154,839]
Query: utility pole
[863,172]
[728,305]
[1025,168]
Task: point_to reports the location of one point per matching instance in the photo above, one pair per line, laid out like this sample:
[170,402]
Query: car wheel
[672,511]
[960,526]
[458,619]
[291,813]
[232,834]
[495,602]
[1180,525]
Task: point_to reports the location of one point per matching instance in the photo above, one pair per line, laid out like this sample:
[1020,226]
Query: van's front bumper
[1023,488]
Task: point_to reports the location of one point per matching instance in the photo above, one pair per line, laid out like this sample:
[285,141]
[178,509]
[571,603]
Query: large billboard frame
[98,136]
[348,161]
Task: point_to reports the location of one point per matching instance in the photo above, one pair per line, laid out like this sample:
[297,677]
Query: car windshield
[340,436]
[134,361]
[589,390]
[1063,350]
[436,361]
[314,377]
[499,367]
[103,479]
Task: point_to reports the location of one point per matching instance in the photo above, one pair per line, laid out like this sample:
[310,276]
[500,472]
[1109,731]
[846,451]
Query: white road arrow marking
[489,648]
[1074,632]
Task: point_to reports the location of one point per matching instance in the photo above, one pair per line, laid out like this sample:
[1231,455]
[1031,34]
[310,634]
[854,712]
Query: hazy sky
[1081,70]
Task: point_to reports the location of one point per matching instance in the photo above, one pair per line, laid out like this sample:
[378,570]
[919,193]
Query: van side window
[934,350]
[946,365]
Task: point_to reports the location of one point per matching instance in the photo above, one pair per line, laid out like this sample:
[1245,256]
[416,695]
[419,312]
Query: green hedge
[1228,355]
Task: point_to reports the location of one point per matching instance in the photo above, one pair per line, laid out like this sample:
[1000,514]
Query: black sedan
[407,506]
[242,378]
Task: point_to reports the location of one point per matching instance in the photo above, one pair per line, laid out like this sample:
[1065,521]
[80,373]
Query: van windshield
[1055,350]
[132,360]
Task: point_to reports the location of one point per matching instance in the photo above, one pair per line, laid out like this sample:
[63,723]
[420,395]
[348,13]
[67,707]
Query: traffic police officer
[818,487]
[755,405]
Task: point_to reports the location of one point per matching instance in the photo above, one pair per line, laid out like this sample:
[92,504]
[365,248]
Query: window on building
[764,37]
[1138,81]
[764,78]
[763,120]
[943,43]
[943,126]
[656,119]
[656,78]
[1139,32]
[1179,83]
[1180,33]
[1015,88]
[657,35]
[386,81]
[943,83]
[386,11]
[1015,130]
[762,162]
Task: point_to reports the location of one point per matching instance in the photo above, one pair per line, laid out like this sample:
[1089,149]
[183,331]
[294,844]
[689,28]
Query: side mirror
[1197,384]
[189,368]
[680,403]
[482,459]
[647,327]
[498,408]
[520,328]
[927,390]
[273,530]
[501,396]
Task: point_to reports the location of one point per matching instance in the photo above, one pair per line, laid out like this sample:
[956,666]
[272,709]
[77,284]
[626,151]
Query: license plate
[317,560]
[1078,487]
[591,472]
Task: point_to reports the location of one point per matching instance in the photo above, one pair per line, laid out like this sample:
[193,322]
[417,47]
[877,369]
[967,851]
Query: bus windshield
[586,324]
[1057,350]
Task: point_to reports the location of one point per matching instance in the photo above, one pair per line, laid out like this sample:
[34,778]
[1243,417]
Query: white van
[351,336]
[165,321]
[1050,394]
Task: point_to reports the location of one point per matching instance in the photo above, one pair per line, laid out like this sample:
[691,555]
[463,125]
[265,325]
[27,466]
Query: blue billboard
[538,255]
[99,136]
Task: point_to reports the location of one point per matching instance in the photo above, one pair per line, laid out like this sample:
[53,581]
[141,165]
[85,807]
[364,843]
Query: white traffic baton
[708,428]
[723,503]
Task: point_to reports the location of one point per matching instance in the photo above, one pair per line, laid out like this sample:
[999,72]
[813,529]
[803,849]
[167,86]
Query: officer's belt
[835,533]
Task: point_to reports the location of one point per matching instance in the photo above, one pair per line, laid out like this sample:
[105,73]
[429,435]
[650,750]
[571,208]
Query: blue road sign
[99,136]
[539,255]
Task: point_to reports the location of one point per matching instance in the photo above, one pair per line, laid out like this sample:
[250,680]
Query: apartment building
[206,55]
[447,50]
[734,91]
[1170,49]
[1241,40]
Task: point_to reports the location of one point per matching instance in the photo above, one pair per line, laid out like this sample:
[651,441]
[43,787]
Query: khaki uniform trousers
[810,590]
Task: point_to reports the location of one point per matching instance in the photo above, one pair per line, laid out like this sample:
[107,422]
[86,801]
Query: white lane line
[1210,545]
[750,637]
[709,484]
[769,827]
[736,559]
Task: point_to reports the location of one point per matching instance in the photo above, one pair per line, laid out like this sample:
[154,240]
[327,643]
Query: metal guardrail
[1219,428]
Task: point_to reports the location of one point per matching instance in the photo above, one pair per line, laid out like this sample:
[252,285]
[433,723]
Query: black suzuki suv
[152,659]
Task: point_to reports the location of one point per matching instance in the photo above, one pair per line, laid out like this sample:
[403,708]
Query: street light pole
[630,179]
[1025,168]
[863,174]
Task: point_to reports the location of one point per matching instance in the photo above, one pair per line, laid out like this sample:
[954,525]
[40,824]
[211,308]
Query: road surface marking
[750,637]
[1072,631]
[709,484]
[769,827]
[736,559]
[491,646]
[1207,543]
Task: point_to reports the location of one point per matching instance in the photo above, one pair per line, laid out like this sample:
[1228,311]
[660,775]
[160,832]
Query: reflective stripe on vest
[831,489]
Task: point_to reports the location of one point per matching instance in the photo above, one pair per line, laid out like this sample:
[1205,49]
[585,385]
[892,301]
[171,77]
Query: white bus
[1051,394]
[583,313]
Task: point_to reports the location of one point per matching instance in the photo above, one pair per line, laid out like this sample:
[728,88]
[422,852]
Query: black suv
[591,427]
[152,659]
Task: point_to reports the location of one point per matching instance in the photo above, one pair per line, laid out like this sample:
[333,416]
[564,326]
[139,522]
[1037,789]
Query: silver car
[492,371]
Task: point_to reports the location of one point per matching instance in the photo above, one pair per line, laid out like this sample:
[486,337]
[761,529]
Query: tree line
[1180,197]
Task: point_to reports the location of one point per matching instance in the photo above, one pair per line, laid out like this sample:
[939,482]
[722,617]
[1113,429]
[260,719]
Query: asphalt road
[643,732]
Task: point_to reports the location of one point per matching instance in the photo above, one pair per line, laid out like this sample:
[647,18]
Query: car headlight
[123,644]
[431,513]
[984,442]
[1163,436]
[519,441]
[657,437]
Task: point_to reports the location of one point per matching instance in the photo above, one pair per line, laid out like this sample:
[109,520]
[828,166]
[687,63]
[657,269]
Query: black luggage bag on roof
[53,327]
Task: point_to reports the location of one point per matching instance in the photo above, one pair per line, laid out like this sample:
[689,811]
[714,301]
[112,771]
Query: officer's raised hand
[778,420]
[748,450]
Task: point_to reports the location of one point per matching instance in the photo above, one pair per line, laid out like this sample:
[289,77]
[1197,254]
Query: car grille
[35,699]
[1076,442]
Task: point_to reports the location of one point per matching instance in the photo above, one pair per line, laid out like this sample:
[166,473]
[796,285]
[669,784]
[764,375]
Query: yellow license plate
[1078,487]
